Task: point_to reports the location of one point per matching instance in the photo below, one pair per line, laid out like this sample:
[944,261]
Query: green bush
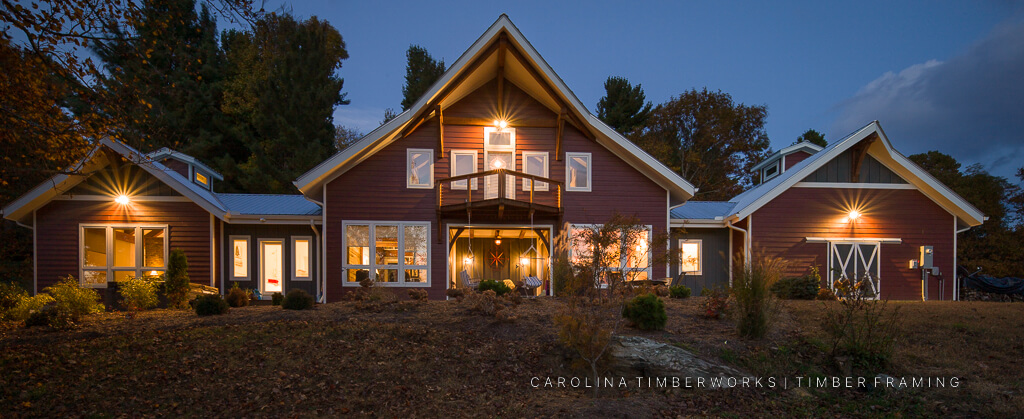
[499,288]
[755,304]
[646,312]
[29,305]
[237,297]
[11,294]
[74,300]
[679,291]
[276,298]
[176,282]
[796,288]
[138,294]
[212,304]
[861,328]
[297,299]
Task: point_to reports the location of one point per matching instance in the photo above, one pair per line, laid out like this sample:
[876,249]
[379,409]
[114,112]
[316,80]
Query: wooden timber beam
[526,123]
[859,151]
[558,135]
[502,47]
[440,132]
[550,91]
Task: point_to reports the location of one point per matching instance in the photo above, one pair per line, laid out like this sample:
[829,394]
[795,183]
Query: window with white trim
[419,168]
[772,170]
[120,252]
[463,163]
[578,172]
[390,253]
[499,153]
[535,163]
[302,258]
[239,258]
[202,180]
[634,264]
[691,256]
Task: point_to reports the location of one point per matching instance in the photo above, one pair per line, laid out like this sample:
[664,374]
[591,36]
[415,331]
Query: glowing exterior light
[500,123]
[854,215]
[468,260]
[122,200]
[498,164]
[497,240]
[524,260]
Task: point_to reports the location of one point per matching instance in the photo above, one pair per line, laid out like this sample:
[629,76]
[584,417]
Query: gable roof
[748,202]
[801,146]
[470,73]
[224,206]
[165,153]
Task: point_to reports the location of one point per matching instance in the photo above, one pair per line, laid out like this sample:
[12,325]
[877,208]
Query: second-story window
[535,163]
[499,153]
[463,163]
[419,168]
[577,172]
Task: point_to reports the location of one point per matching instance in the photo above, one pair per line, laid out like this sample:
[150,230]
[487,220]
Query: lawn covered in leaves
[440,359]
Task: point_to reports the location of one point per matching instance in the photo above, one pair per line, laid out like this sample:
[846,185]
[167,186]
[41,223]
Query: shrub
[705,291]
[74,300]
[211,304]
[297,299]
[796,288]
[499,288]
[276,298]
[29,305]
[485,302]
[660,290]
[11,295]
[138,294]
[679,291]
[826,294]
[49,316]
[455,293]
[755,304]
[418,294]
[237,297]
[860,328]
[176,282]
[716,303]
[646,312]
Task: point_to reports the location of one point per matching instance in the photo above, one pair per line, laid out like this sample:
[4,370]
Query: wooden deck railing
[447,195]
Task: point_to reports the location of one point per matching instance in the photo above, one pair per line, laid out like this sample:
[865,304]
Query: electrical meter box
[926,257]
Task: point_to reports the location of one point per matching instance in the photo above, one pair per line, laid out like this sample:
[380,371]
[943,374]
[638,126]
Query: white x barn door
[855,261]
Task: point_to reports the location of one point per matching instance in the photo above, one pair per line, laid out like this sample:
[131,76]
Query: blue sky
[938,75]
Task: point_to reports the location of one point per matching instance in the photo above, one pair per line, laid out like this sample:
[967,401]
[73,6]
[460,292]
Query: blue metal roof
[702,210]
[265,204]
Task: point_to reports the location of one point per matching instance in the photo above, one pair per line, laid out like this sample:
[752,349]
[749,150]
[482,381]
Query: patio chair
[466,281]
[531,283]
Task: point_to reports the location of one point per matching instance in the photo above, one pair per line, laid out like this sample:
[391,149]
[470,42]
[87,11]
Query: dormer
[777,164]
[187,166]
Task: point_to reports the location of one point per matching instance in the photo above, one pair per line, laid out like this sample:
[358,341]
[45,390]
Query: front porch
[499,253]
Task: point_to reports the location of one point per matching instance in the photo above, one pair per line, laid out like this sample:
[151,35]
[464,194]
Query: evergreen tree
[709,140]
[623,106]
[282,89]
[813,137]
[421,71]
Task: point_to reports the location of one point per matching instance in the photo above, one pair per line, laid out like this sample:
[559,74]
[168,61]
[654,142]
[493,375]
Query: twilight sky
[938,75]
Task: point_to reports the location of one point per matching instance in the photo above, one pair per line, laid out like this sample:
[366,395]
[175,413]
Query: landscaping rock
[634,356]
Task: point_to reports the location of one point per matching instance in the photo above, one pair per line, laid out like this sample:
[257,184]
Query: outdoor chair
[531,283]
[467,282]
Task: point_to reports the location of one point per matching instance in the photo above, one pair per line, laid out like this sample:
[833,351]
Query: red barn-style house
[479,179]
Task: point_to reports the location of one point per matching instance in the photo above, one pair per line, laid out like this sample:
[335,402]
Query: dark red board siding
[782,226]
[796,157]
[375,190]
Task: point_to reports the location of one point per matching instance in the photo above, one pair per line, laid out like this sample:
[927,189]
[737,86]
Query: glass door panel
[271,267]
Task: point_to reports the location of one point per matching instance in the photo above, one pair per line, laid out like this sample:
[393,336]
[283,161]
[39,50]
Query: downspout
[746,257]
[319,263]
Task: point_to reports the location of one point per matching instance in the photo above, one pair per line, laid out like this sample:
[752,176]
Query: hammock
[986,283]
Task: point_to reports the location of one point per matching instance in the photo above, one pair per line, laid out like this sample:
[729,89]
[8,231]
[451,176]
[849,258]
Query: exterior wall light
[524,261]
[122,200]
[854,215]
[500,124]
[497,240]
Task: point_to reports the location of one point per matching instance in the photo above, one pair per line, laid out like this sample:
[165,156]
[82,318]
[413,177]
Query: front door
[856,261]
[271,267]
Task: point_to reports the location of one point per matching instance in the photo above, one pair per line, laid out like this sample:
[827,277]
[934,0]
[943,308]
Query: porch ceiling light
[122,199]
[497,240]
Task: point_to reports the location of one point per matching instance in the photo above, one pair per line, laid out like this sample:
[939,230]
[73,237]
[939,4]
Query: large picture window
[390,253]
[420,168]
[577,172]
[117,253]
[691,257]
[630,258]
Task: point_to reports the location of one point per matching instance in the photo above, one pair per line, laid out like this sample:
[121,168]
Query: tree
[421,72]
[995,246]
[389,114]
[709,140]
[282,87]
[623,106]
[344,137]
[813,137]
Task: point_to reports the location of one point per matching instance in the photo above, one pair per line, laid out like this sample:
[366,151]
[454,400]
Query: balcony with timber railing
[504,191]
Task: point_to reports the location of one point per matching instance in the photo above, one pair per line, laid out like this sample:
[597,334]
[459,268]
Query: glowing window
[121,253]
[419,168]
[240,258]
[690,257]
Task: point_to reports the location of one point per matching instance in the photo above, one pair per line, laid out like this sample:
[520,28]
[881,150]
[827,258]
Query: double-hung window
[463,163]
[420,168]
[578,172]
[390,253]
[119,252]
[627,253]
[535,163]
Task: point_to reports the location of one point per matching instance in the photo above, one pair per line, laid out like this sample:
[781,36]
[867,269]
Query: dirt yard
[439,359]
